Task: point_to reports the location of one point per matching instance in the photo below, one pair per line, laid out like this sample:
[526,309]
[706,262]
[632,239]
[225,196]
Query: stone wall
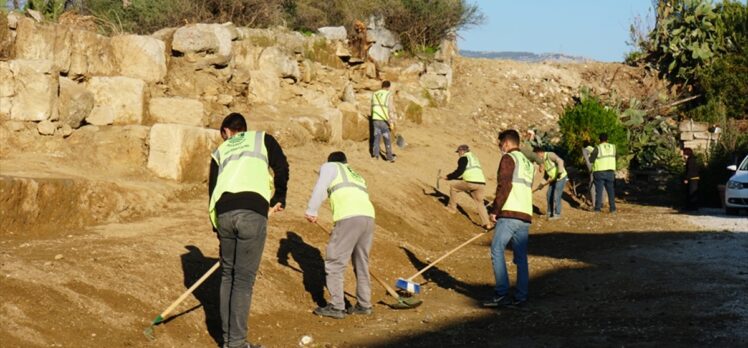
[699,136]
[178,81]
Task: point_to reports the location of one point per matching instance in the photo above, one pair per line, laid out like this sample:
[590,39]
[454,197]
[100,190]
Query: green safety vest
[242,167]
[606,158]
[348,195]
[473,172]
[379,110]
[550,168]
[520,197]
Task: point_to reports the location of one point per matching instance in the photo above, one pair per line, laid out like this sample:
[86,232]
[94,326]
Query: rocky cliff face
[185,80]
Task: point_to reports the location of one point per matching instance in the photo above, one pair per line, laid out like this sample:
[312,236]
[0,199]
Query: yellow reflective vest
[379,110]
[520,197]
[606,158]
[348,195]
[242,167]
[473,172]
[551,169]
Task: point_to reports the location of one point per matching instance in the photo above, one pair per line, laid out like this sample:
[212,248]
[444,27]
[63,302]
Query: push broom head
[409,286]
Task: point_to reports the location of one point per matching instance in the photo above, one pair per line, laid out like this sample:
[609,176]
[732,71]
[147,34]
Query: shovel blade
[400,141]
[405,303]
[409,286]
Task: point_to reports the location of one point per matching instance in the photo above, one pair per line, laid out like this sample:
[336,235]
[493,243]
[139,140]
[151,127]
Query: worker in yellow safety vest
[383,117]
[603,160]
[469,178]
[242,194]
[513,215]
[352,234]
[556,178]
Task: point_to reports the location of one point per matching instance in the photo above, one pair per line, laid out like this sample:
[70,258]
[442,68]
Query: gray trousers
[381,131]
[242,234]
[350,237]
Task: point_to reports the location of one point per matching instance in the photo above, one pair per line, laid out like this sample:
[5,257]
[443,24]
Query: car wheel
[732,211]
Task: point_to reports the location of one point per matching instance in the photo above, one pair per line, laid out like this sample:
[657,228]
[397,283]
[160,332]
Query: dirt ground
[94,255]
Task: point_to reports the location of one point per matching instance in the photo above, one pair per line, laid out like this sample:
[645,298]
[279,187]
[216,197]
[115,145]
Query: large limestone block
[439,68]
[212,40]
[180,152]
[433,81]
[334,119]
[177,110]
[273,59]
[117,100]
[355,126]
[140,57]
[6,80]
[264,87]
[35,86]
[35,41]
[334,33]
[91,55]
[75,102]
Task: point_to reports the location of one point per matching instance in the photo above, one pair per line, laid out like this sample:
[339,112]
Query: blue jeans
[555,191]
[242,235]
[381,130]
[605,180]
[515,231]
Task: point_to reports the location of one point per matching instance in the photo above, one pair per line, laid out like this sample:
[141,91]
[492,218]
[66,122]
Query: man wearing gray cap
[472,181]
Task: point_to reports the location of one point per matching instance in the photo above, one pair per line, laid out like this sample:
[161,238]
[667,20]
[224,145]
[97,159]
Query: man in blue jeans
[239,186]
[603,160]
[556,177]
[513,216]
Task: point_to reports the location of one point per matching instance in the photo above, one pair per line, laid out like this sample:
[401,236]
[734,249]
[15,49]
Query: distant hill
[523,56]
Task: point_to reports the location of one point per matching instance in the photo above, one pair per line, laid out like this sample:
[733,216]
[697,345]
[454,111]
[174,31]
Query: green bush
[582,123]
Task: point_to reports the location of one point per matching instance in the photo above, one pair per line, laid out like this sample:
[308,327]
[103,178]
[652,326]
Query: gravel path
[715,220]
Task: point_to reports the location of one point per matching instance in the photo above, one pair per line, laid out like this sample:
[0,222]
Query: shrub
[582,124]
[725,84]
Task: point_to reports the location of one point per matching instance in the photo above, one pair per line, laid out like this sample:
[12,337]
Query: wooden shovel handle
[447,254]
[203,278]
[389,289]
[190,290]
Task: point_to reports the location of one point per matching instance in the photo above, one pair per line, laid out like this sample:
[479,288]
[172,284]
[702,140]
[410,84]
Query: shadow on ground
[632,288]
[194,265]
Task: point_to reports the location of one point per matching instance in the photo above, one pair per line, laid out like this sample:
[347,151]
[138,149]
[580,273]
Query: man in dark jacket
[240,189]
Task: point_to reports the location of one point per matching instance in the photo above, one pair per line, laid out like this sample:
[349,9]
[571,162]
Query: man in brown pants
[471,180]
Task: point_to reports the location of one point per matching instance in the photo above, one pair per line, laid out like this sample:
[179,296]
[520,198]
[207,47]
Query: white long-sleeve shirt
[327,173]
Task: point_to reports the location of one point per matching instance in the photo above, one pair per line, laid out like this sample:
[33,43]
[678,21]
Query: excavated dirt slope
[93,246]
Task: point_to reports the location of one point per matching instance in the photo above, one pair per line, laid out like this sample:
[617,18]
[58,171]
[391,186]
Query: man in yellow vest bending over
[383,116]
[471,180]
[603,160]
[352,234]
[240,188]
[513,215]
[556,177]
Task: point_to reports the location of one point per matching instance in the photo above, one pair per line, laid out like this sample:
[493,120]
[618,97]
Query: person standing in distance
[383,116]
[351,236]
[603,160]
[240,187]
[513,215]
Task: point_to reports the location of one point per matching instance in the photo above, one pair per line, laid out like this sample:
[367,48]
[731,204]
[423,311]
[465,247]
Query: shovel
[412,287]
[148,332]
[402,302]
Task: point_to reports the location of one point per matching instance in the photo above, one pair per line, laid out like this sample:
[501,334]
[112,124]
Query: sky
[595,29]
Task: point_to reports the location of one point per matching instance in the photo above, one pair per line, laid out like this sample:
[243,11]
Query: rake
[148,332]
[412,287]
